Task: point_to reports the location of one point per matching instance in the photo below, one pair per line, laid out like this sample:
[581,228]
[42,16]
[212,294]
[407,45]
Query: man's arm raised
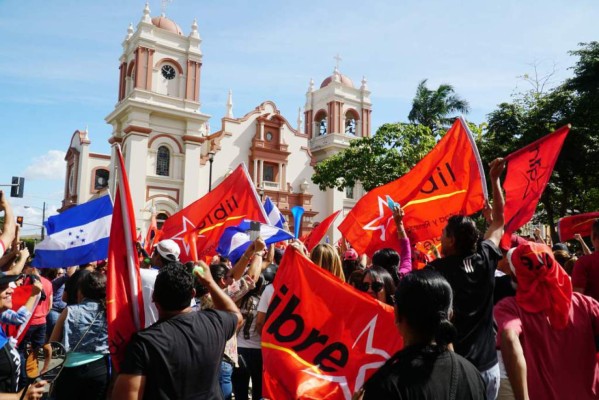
[8,232]
[221,300]
[495,229]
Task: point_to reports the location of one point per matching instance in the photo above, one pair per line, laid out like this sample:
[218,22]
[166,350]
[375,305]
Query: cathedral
[173,158]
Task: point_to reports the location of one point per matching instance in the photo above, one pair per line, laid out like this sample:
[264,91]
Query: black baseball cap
[8,278]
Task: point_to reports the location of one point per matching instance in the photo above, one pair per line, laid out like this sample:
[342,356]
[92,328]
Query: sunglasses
[375,286]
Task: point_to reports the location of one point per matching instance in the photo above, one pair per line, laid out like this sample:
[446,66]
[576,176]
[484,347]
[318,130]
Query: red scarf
[543,285]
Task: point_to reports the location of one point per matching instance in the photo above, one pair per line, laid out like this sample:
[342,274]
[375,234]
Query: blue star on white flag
[77,236]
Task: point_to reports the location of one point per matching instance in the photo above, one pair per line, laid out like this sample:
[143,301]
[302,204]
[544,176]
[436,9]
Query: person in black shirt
[179,357]
[469,266]
[425,368]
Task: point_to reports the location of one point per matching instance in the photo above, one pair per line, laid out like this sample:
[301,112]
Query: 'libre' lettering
[220,213]
[331,356]
[432,185]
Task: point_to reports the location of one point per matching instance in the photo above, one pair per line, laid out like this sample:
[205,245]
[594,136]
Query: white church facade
[172,158]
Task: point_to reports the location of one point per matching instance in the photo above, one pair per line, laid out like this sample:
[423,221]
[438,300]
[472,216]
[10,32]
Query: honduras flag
[77,236]
[274,215]
[235,240]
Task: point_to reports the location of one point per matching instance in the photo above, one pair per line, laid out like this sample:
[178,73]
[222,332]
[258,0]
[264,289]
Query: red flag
[310,349]
[20,296]
[528,171]
[449,180]
[318,233]
[227,204]
[582,224]
[152,234]
[124,302]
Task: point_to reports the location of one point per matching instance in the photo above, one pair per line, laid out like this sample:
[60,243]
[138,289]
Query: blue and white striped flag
[77,236]
[235,240]
[274,215]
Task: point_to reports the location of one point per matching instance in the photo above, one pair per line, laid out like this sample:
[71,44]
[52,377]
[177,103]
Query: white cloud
[50,166]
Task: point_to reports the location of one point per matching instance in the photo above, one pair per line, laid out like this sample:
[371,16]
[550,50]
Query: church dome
[167,24]
[345,81]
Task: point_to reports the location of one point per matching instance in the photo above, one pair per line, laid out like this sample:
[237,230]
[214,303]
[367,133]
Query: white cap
[168,249]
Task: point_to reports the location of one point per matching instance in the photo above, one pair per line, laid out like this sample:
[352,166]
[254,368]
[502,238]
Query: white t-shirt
[148,278]
[254,342]
[265,299]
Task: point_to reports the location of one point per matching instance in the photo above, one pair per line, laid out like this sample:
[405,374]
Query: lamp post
[261,191]
[43,232]
[211,159]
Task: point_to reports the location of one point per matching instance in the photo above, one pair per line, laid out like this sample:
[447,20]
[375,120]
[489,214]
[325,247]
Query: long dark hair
[424,299]
[379,274]
[464,231]
[388,259]
[93,287]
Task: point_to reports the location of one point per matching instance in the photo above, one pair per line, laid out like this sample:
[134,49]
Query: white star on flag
[382,227]
[180,236]
[369,349]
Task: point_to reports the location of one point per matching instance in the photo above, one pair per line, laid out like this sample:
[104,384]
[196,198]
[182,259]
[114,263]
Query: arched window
[161,219]
[321,123]
[350,124]
[163,159]
[322,127]
[101,179]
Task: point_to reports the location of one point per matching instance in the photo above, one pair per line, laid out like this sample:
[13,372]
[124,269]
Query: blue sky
[59,62]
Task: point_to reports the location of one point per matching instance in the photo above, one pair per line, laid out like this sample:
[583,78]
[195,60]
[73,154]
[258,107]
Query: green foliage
[376,160]
[534,114]
[432,108]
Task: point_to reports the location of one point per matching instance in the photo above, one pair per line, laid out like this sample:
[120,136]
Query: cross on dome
[338,59]
[163,7]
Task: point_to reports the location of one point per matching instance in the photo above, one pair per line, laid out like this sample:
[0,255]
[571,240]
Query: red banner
[124,302]
[528,171]
[322,338]
[227,204]
[582,224]
[449,180]
[153,234]
[318,233]
[20,296]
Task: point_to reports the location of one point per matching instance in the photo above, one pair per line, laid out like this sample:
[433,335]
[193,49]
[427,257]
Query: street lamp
[261,191]
[43,235]
[211,159]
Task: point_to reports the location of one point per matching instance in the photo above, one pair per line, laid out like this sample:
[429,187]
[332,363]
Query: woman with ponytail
[426,368]
[83,331]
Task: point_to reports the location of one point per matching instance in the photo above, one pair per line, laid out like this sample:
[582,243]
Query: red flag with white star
[449,180]
[232,201]
[322,339]
[528,171]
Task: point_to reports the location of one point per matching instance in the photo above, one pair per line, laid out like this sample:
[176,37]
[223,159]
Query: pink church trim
[173,138]
[170,61]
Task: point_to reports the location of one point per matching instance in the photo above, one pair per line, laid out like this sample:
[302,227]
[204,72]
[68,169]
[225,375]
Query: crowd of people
[481,321]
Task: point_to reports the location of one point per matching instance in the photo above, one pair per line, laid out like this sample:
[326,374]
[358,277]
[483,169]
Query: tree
[376,160]
[535,113]
[432,108]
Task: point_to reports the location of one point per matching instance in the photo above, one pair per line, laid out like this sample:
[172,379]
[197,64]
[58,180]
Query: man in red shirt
[585,275]
[546,332]
[36,333]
